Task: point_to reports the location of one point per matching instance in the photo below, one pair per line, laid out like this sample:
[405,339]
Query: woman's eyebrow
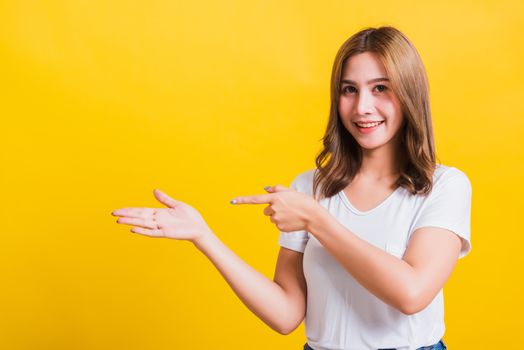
[347,81]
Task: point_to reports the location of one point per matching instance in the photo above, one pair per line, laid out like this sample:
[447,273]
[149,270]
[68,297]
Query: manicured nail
[233,201]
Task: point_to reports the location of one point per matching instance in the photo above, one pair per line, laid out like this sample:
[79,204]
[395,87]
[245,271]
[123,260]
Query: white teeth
[368,125]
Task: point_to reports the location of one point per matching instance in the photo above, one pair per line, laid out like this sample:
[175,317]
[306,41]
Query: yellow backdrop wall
[103,101]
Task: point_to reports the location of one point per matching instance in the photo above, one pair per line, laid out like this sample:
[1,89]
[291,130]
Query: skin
[408,284]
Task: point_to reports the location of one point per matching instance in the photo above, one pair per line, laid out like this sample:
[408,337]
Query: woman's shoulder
[445,174]
[303,182]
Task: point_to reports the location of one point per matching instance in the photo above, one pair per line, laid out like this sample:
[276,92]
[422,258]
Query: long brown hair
[341,158]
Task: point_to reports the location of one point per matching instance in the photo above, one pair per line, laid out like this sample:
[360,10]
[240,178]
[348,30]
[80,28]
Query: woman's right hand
[178,221]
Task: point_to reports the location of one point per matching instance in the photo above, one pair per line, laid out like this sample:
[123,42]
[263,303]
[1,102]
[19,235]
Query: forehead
[363,66]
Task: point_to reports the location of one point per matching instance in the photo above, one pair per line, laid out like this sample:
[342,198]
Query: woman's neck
[382,164]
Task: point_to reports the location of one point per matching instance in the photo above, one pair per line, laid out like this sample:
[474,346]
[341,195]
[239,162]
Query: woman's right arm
[280,303]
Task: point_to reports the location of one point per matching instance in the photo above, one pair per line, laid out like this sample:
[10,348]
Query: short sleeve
[297,240]
[448,206]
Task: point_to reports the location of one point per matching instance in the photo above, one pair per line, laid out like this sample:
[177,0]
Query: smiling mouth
[368,125]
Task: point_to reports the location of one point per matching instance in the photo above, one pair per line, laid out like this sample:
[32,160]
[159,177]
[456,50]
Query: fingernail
[267,188]
[233,201]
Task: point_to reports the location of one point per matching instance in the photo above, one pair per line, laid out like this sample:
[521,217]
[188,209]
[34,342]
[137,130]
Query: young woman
[368,238]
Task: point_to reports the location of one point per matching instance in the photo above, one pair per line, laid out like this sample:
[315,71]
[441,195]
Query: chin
[369,146]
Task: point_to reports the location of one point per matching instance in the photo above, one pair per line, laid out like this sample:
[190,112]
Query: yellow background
[103,101]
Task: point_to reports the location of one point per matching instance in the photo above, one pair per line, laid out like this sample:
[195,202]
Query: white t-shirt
[341,314]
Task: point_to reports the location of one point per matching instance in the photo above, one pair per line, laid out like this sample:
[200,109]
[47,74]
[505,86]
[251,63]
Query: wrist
[203,242]
[318,217]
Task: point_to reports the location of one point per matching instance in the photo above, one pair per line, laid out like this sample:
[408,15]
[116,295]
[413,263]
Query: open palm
[178,221]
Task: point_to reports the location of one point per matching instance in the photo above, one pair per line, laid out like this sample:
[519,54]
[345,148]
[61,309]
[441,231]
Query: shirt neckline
[351,207]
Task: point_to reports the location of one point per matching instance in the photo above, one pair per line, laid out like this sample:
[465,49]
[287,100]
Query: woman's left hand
[288,209]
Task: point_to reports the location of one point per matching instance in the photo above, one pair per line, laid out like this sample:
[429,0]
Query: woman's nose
[365,103]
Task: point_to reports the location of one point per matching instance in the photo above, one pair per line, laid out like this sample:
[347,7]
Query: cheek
[343,108]
[393,113]
[395,125]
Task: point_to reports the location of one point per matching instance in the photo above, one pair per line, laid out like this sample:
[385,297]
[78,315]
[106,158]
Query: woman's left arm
[408,284]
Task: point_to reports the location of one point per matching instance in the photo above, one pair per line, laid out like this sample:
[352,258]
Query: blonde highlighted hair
[341,156]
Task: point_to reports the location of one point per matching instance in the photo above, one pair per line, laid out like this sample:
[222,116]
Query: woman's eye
[349,89]
[382,88]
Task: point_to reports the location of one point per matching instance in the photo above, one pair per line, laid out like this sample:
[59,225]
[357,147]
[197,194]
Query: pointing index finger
[258,199]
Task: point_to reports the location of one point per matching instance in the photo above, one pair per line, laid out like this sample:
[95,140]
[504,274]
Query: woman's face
[368,108]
